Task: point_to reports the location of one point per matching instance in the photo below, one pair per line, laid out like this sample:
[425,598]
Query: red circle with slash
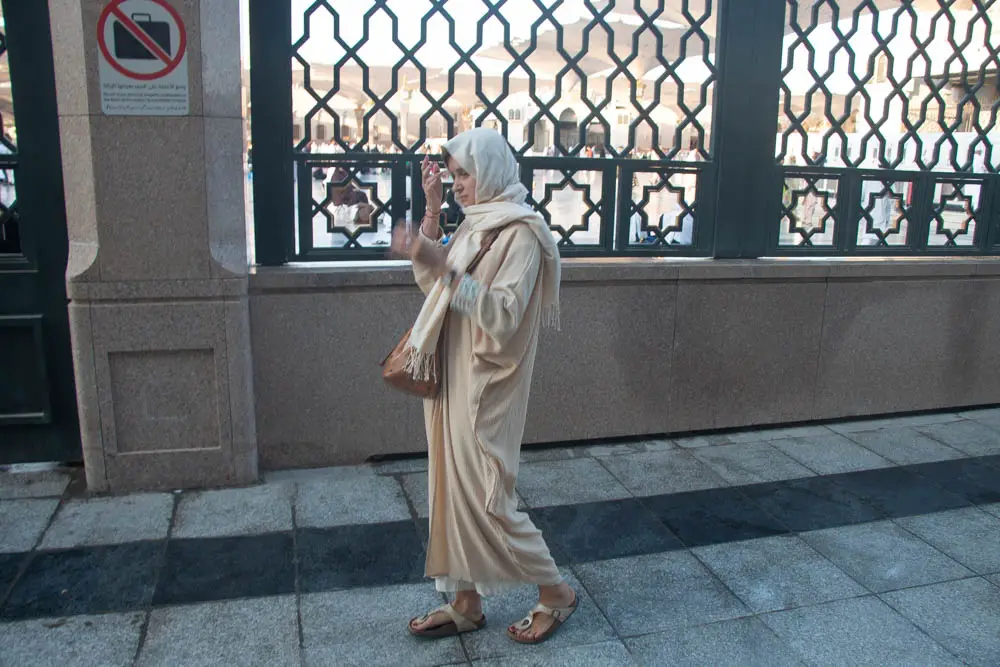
[170,63]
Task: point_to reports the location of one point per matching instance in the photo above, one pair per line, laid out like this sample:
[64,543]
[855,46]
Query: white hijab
[500,201]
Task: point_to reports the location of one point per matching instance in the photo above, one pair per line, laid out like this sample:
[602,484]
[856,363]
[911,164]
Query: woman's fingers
[402,239]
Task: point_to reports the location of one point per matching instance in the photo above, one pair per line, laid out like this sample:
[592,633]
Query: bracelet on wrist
[438,232]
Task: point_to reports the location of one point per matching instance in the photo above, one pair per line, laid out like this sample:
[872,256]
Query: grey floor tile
[970,536]
[783,433]
[669,591]
[320,503]
[108,640]
[717,439]
[752,435]
[367,627]
[249,633]
[993,509]
[751,462]
[884,557]
[989,416]
[744,642]
[22,522]
[41,484]
[654,473]
[535,454]
[621,449]
[659,445]
[904,446]
[401,466]
[110,521]
[775,573]
[415,487]
[963,616]
[251,511]
[830,454]
[306,474]
[973,438]
[604,654]
[894,422]
[995,578]
[586,625]
[567,482]
[862,631]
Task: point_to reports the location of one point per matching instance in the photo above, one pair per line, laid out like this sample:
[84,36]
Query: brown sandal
[558,614]
[456,626]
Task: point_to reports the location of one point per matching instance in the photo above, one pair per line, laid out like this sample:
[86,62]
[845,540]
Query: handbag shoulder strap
[484,248]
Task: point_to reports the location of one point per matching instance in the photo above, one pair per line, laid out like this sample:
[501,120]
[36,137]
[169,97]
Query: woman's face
[465,183]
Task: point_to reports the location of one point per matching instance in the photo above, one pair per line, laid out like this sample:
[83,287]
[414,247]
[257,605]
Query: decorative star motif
[956,195]
[568,182]
[686,209]
[825,197]
[898,219]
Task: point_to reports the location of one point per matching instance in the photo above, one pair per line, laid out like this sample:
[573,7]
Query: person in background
[351,206]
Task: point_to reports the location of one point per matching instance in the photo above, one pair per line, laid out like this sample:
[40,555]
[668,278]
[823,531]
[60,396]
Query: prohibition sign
[170,62]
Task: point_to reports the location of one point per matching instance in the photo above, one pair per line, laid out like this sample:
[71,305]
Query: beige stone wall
[647,347]
[157,272]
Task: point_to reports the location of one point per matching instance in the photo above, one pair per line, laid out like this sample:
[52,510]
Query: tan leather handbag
[394,365]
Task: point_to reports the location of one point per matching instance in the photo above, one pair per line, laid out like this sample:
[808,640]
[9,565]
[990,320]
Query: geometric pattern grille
[394,75]
[873,94]
[884,84]
[567,84]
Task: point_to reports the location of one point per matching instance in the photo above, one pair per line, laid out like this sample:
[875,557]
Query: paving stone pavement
[860,543]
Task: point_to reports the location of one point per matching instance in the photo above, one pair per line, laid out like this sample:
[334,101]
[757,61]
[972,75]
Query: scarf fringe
[551,317]
[419,366]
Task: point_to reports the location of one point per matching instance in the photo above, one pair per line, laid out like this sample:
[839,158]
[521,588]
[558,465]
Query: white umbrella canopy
[303,101]
[824,14]
[641,48]
[545,61]
[349,80]
[674,10]
[645,49]
[491,77]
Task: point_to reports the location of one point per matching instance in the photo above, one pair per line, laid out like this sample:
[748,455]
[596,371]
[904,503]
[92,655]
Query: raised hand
[407,244]
[430,177]
[403,238]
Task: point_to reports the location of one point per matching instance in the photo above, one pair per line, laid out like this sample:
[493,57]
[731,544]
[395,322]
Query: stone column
[157,274]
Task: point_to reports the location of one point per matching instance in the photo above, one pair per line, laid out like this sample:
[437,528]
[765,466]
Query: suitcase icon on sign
[128,46]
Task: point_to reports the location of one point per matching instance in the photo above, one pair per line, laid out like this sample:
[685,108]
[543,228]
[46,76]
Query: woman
[487,324]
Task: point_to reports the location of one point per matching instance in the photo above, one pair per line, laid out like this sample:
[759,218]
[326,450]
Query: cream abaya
[478,538]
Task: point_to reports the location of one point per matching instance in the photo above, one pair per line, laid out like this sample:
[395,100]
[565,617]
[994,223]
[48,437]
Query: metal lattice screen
[887,124]
[587,94]
[643,127]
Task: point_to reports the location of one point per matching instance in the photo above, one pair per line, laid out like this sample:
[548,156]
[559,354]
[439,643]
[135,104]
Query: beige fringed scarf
[500,198]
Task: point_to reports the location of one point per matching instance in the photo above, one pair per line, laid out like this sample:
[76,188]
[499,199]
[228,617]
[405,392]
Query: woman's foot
[467,603]
[560,596]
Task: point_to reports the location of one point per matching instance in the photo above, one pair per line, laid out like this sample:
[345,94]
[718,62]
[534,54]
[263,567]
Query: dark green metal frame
[33,303]
[739,181]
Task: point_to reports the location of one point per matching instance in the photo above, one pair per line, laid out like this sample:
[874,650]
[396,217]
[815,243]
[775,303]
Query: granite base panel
[169,394]
[645,349]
